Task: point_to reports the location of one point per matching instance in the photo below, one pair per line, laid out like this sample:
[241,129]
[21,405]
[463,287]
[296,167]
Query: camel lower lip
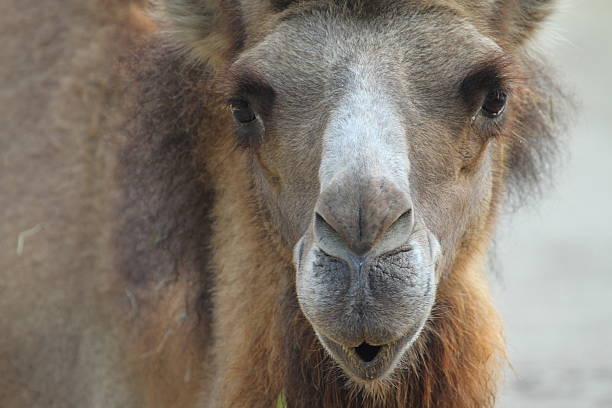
[367,362]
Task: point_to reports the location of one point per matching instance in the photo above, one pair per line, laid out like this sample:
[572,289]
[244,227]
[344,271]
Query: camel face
[373,161]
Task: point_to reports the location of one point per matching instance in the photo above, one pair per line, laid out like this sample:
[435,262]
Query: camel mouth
[367,352]
[366,362]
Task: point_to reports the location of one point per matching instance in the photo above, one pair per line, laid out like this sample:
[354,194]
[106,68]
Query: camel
[258,203]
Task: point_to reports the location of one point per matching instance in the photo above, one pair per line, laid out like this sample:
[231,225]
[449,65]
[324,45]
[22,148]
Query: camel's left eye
[494,103]
[242,111]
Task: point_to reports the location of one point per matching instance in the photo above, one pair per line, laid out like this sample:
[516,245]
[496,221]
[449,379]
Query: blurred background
[553,265]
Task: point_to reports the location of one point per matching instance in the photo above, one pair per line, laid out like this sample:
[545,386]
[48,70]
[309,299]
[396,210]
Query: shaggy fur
[202,287]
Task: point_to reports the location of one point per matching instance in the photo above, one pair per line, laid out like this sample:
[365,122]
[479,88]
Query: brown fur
[154,305]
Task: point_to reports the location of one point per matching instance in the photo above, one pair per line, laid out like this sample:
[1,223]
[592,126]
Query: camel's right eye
[242,111]
[494,103]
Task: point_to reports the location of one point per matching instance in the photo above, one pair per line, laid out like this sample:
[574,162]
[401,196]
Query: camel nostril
[323,222]
[367,352]
[323,227]
[405,220]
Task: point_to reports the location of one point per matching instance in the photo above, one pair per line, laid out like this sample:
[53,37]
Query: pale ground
[555,260]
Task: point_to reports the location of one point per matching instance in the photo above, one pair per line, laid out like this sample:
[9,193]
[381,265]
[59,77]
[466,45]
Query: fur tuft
[544,112]
[518,20]
[208,31]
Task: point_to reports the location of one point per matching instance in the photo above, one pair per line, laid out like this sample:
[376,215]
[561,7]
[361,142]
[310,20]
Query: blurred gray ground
[555,259]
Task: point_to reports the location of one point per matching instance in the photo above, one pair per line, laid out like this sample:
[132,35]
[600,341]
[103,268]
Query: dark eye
[494,103]
[242,111]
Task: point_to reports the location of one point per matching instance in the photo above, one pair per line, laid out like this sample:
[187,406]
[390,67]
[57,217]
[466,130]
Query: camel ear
[204,29]
[523,17]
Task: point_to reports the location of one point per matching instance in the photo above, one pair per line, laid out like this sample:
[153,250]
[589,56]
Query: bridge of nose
[364,166]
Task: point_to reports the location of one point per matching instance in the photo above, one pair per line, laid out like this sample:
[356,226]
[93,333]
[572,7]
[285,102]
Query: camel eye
[242,111]
[494,103]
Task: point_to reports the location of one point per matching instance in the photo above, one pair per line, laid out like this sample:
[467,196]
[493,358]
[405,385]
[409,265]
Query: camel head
[379,139]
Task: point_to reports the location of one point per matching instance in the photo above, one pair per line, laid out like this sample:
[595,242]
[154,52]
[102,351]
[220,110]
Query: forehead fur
[315,49]
[216,30]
